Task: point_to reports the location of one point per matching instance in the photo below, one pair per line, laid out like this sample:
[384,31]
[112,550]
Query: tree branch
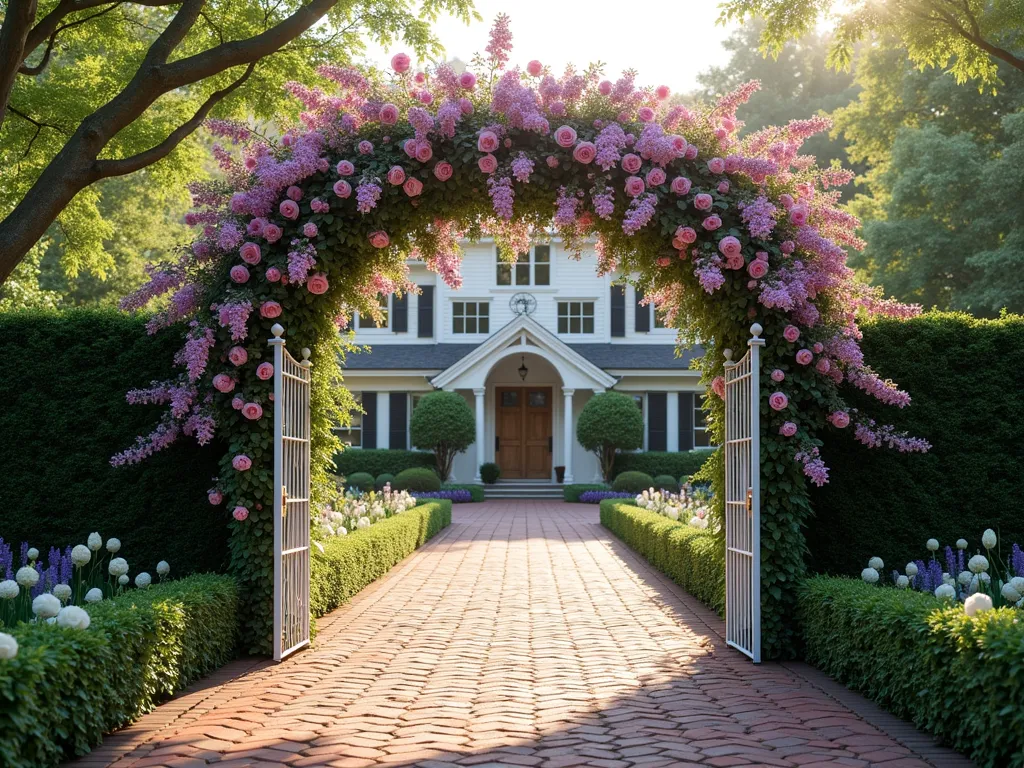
[974,36]
[39,127]
[14,34]
[35,70]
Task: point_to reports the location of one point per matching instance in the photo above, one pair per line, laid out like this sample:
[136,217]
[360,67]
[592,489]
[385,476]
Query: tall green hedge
[654,463]
[64,415]
[965,378]
[960,678]
[378,461]
[68,687]
[349,563]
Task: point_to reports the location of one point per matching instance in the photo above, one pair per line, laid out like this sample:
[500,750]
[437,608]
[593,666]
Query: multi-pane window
[701,436]
[530,268]
[575,317]
[471,317]
[367,321]
[353,433]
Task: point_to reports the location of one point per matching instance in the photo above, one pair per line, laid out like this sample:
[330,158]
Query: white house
[527,345]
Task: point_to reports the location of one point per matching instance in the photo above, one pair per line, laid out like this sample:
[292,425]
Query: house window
[353,433]
[367,321]
[530,268]
[659,319]
[575,317]
[701,436]
[471,317]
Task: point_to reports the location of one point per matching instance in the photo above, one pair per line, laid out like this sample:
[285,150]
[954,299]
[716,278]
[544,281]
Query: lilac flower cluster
[502,196]
[522,167]
[301,259]
[641,211]
[234,315]
[367,195]
[759,216]
[565,209]
[609,142]
[872,435]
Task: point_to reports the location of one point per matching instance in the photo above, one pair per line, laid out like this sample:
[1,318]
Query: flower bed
[66,687]
[355,510]
[454,495]
[957,676]
[476,490]
[573,491]
[343,565]
[694,558]
[596,497]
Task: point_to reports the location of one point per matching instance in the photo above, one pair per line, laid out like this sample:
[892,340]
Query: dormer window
[531,268]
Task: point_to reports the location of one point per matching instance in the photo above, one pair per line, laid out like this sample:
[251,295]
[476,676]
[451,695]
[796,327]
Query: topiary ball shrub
[360,481]
[610,422]
[666,483]
[490,472]
[416,479]
[444,423]
[633,482]
[383,479]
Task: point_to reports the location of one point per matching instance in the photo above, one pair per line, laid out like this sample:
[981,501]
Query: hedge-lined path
[524,635]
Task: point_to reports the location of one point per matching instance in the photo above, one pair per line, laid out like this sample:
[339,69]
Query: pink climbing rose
[294,193]
[467,80]
[778,401]
[535,68]
[265,371]
[804,357]
[396,175]
[317,284]
[488,141]
[223,383]
[240,513]
[655,177]
[716,165]
[443,171]
[631,163]
[729,246]
[388,114]
[400,62]
[703,202]
[250,253]
[342,188]
[565,136]
[237,355]
[839,419]
[309,229]
[791,333]
[252,411]
[718,386]
[686,234]
[413,187]
[345,168]
[273,274]
[757,269]
[239,274]
[488,163]
[215,497]
[379,239]
[711,223]
[778,375]
[289,209]
[788,429]
[585,152]
[634,186]
[681,185]
[270,310]
[242,463]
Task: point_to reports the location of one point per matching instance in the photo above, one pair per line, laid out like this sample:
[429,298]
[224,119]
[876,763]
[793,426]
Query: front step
[523,489]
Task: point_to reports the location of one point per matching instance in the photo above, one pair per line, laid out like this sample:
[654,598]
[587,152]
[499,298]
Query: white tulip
[73,617]
[961,543]
[94,595]
[81,555]
[33,554]
[976,603]
[95,541]
[122,580]
[143,580]
[118,566]
[62,592]
[45,606]
[932,545]
[1010,594]
[163,568]
[27,576]
[964,578]
[945,592]
[988,539]
[978,563]
[870,575]
[9,589]
[876,563]
[8,646]
[113,546]
[902,582]
[911,569]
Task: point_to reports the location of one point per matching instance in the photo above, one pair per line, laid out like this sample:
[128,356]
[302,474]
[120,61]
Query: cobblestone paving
[524,635]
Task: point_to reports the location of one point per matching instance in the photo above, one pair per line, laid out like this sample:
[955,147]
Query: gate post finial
[277,329]
[728,354]
[756,330]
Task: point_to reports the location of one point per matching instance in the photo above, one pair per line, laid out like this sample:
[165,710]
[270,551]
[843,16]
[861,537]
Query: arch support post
[479,393]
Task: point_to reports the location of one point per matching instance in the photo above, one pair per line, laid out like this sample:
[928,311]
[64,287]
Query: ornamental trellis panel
[291,498]
[743,499]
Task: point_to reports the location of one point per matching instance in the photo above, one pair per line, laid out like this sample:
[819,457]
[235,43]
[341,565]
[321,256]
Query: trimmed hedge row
[694,558]
[654,463]
[349,563]
[960,678]
[67,687]
[379,461]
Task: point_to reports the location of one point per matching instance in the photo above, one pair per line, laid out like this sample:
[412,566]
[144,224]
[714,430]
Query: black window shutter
[685,421]
[657,421]
[618,304]
[400,314]
[643,313]
[370,420]
[397,426]
[425,312]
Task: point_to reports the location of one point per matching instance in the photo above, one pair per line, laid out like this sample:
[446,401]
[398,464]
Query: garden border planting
[572,492]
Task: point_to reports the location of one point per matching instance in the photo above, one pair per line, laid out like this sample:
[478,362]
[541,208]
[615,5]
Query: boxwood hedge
[676,463]
[378,461]
[66,687]
[960,678]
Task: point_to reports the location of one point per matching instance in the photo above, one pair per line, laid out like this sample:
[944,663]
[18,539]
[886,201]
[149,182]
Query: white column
[383,419]
[479,392]
[568,439]
[672,421]
[598,477]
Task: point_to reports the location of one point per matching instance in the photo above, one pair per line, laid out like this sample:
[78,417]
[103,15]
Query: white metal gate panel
[291,498]
[743,499]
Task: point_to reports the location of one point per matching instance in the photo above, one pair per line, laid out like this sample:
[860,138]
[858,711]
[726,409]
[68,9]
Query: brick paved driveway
[525,635]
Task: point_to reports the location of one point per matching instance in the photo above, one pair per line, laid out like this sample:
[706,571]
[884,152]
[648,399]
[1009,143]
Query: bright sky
[559,34]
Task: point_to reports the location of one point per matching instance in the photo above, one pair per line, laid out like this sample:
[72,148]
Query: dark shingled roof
[437,357]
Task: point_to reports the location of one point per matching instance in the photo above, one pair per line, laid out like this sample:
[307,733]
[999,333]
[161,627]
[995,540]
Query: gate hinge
[284,501]
[750,501]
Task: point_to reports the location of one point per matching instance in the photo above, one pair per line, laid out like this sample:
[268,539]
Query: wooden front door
[523,432]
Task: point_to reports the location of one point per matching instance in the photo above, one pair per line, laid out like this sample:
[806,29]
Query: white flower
[27,576]
[95,541]
[978,563]
[118,566]
[988,539]
[122,580]
[964,578]
[94,595]
[932,545]
[977,602]
[80,555]
[62,592]
[1017,582]
[143,580]
[977,581]
[73,617]
[876,563]
[1010,594]
[364,522]
[945,592]
[902,582]
[45,606]
[33,554]
[8,646]
[961,543]
[947,579]
[870,575]
[911,569]
[9,589]
[163,568]
[113,546]
[342,531]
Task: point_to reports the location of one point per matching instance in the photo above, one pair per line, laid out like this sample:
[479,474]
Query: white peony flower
[964,578]
[118,566]
[80,555]
[911,569]
[961,543]
[945,592]
[113,546]
[988,539]
[73,617]
[27,576]
[902,582]
[1017,582]
[9,589]
[978,563]
[94,595]
[95,541]
[163,568]
[8,646]
[364,522]
[33,554]
[870,575]
[876,563]
[976,603]
[122,580]
[62,592]
[1010,594]
[932,545]
[45,606]
[143,580]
